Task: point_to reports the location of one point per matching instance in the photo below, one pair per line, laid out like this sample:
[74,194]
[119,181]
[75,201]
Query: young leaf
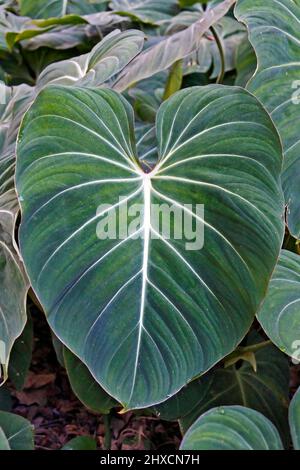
[16,433]
[232,428]
[161,56]
[106,59]
[274,32]
[139,307]
[85,386]
[294,418]
[280,313]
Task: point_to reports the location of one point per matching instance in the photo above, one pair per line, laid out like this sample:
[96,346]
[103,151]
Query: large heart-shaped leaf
[141,307]
[106,59]
[294,418]
[16,433]
[46,9]
[265,390]
[232,428]
[274,31]
[280,312]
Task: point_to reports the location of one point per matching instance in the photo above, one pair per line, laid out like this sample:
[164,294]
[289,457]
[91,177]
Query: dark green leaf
[144,309]
[274,33]
[85,386]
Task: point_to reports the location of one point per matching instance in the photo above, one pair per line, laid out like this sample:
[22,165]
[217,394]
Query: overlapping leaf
[294,418]
[232,428]
[280,312]
[147,11]
[265,390]
[274,31]
[106,59]
[162,55]
[16,433]
[85,387]
[156,312]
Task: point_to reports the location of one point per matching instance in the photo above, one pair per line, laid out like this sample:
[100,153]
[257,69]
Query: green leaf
[266,390]
[163,308]
[16,433]
[14,287]
[275,35]
[179,45]
[81,443]
[174,80]
[5,399]
[16,103]
[280,313]
[246,63]
[146,11]
[85,387]
[20,357]
[294,418]
[232,428]
[106,59]
[45,9]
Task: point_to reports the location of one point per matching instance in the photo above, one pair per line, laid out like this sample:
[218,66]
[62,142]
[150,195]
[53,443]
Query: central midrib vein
[147,230]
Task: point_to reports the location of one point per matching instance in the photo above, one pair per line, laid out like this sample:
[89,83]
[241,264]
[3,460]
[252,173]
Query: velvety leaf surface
[155,311]
[280,312]
[232,428]
[274,31]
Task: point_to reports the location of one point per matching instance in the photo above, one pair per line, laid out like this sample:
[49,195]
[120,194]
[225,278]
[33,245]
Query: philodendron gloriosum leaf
[106,59]
[294,419]
[232,428]
[274,31]
[142,311]
[175,47]
[280,312]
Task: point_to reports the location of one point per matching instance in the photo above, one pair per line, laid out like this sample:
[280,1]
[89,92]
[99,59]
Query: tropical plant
[106,106]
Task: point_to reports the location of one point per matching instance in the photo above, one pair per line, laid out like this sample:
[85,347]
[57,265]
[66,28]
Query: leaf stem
[222,54]
[107,433]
